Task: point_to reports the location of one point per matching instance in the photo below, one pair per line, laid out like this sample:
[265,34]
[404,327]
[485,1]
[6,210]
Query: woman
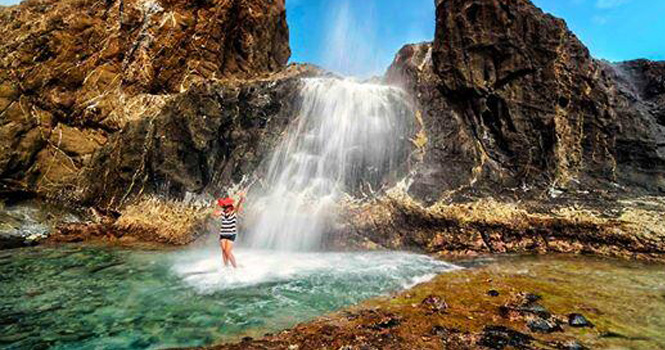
[228,230]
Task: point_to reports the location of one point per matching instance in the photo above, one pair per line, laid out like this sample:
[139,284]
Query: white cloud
[608,4]
[600,20]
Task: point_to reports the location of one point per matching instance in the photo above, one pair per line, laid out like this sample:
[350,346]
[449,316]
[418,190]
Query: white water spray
[347,136]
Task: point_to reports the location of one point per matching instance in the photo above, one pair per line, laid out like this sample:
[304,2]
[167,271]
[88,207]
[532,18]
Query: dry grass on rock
[163,221]
[486,225]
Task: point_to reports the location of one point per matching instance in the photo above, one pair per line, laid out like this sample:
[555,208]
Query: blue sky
[615,30]
[361,37]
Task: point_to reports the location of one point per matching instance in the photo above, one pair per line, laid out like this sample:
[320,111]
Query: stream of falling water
[347,136]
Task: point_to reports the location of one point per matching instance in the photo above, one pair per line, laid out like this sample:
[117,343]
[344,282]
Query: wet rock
[79,232]
[521,101]
[438,331]
[444,332]
[534,308]
[72,73]
[211,135]
[28,223]
[386,323]
[22,225]
[434,304]
[493,293]
[500,337]
[524,304]
[11,241]
[578,320]
[541,325]
[613,334]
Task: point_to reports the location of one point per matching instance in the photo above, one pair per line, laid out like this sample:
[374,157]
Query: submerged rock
[434,304]
[500,337]
[542,325]
[578,320]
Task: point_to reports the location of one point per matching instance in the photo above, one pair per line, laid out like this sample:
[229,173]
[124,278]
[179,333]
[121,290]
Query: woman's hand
[242,195]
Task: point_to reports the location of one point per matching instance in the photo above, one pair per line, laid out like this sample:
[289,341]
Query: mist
[356,38]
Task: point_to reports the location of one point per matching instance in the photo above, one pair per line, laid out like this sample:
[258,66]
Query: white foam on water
[421,279]
[206,274]
[347,137]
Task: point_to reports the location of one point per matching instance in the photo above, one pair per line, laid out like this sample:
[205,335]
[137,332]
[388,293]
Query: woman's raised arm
[240,202]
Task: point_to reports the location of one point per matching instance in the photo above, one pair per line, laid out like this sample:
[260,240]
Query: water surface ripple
[91,298]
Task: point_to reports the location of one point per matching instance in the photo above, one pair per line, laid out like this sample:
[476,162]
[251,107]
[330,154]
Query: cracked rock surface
[75,72]
[512,101]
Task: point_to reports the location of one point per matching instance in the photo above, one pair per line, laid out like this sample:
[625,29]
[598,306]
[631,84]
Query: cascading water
[348,136]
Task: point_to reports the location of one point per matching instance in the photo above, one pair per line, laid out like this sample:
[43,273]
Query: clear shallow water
[89,298]
[624,299]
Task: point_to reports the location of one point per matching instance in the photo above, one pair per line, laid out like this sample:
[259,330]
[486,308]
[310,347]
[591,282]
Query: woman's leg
[229,254]
[225,258]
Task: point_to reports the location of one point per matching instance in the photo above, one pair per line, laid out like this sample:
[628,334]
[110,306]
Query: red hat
[225,202]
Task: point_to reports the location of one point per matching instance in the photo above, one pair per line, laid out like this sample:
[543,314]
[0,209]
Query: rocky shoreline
[513,117]
[525,144]
[514,303]
[629,228]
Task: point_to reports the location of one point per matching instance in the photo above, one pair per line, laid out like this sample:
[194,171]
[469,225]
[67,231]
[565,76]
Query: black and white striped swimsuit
[228,228]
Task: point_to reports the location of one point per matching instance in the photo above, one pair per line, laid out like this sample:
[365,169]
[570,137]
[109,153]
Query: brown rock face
[640,106]
[512,99]
[201,140]
[74,72]
[450,156]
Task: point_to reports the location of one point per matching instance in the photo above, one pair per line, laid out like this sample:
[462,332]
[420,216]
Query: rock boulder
[512,101]
[74,72]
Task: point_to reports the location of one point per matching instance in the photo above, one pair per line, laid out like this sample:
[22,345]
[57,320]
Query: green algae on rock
[624,300]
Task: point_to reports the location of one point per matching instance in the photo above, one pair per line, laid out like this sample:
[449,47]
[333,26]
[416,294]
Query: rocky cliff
[102,103]
[513,102]
[74,73]
[514,107]
[207,138]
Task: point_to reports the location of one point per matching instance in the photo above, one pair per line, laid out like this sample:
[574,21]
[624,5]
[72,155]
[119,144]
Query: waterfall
[347,137]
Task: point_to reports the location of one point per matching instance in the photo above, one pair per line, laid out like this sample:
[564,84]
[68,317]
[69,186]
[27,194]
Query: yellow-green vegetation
[163,221]
[420,139]
[623,301]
